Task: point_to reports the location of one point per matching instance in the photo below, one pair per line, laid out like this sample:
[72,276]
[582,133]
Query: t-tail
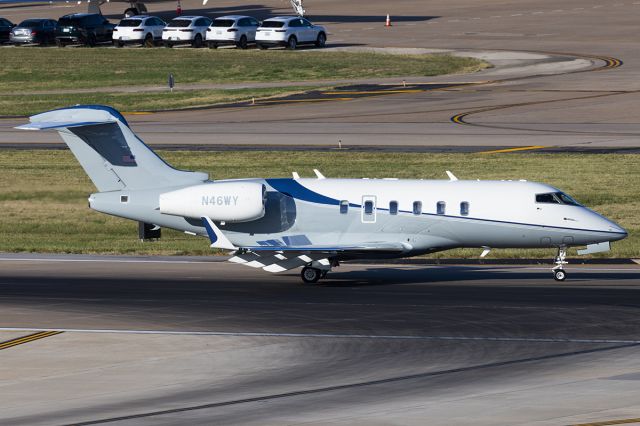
[108,150]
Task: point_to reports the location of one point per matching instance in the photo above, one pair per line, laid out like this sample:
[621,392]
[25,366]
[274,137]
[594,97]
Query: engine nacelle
[224,201]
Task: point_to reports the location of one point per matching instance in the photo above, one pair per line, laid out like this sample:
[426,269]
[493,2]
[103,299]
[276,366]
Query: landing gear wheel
[242,44]
[292,43]
[132,11]
[310,275]
[558,272]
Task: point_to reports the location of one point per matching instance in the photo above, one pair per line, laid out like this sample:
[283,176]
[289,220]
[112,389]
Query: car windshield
[69,21]
[223,23]
[130,23]
[179,23]
[272,24]
[30,23]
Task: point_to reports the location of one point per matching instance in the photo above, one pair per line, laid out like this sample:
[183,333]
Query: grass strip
[32,69]
[43,193]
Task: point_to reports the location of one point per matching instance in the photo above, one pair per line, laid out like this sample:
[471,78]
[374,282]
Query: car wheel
[197,42]
[59,43]
[91,40]
[262,46]
[213,45]
[148,41]
[292,43]
[242,44]
[132,11]
[168,44]
[321,40]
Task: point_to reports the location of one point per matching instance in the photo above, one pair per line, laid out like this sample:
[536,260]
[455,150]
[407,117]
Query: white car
[186,29]
[232,29]
[140,29]
[289,31]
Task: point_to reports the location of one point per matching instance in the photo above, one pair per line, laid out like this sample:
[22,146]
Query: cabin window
[464,208]
[368,207]
[417,207]
[393,207]
[124,198]
[441,207]
[344,206]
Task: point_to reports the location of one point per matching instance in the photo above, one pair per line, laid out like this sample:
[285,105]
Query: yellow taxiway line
[26,339]
[520,148]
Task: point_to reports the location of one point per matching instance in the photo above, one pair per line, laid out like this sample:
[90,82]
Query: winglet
[452,177]
[217,238]
[318,174]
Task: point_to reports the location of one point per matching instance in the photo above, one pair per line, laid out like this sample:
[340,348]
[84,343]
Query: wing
[279,258]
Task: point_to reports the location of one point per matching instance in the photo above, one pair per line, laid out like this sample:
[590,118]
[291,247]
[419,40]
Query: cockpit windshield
[556,198]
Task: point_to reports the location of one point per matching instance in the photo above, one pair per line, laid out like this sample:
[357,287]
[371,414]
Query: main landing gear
[559,273]
[315,271]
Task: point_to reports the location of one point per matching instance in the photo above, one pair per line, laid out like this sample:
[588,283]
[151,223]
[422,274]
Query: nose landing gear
[559,273]
[317,270]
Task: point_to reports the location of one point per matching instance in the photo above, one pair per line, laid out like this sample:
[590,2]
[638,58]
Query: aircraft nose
[616,232]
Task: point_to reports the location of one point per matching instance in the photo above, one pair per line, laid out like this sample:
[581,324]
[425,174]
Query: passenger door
[368,214]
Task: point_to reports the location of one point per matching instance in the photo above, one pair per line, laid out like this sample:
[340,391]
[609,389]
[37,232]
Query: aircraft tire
[310,275]
[559,275]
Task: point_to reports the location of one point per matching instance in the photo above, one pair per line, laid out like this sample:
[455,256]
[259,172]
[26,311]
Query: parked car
[289,31]
[32,31]
[232,29]
[141,29]
[5,29]
[186,29]
[83,28]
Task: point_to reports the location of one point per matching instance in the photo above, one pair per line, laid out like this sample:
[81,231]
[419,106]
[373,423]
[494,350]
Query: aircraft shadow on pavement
[377,276]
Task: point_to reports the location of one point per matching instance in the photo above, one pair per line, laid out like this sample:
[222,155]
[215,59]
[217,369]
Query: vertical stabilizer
[108,150]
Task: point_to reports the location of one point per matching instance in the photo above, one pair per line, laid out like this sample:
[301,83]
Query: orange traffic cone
[388,23]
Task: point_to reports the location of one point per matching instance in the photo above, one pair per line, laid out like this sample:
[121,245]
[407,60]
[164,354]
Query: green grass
[146,101]
[26,72]
[54,69]
[43,194]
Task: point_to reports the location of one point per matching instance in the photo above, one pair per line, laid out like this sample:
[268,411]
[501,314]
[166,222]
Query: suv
[233,29]
[186,29]
[142,29]
[290,31]
[5,29]
[83,28]
[41,31]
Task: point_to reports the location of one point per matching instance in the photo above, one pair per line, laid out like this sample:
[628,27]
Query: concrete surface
[374,344]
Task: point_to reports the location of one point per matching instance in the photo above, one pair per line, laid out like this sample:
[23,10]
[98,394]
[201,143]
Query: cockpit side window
[556,198]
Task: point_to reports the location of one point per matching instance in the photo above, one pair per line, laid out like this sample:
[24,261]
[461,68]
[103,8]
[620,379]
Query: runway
[207,342]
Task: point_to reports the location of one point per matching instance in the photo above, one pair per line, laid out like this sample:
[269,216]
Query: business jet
[278,224]
[137,7]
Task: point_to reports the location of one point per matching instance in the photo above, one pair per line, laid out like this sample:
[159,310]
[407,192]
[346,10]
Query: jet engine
[220,201]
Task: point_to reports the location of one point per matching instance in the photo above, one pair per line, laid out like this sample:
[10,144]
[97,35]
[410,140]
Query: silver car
[232,29]
[34,31]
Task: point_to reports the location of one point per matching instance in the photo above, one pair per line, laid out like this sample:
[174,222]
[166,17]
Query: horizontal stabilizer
[44,125]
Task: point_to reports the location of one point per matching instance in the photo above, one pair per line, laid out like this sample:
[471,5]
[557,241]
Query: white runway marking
[328,335]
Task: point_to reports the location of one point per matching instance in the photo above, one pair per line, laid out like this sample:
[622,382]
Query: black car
[5,29]
[83,28]
[41,31]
